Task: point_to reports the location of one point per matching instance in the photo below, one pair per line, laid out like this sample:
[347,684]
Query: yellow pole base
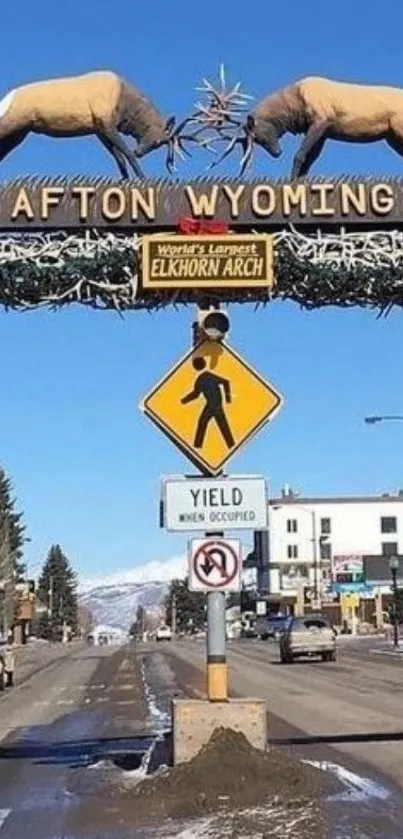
[217,682]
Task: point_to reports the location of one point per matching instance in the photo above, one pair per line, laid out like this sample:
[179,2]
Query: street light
[394,567]
[371,420]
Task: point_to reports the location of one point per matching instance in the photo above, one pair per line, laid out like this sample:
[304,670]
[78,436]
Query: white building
[312,539]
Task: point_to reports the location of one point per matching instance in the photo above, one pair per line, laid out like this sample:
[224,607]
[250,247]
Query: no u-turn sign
[215,565]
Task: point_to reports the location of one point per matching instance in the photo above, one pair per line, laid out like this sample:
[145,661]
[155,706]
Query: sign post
[215,567]
[209,405]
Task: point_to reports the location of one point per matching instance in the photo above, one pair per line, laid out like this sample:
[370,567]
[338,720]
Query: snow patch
[4,814]
[199,830]
[259,822]
[357,788]
[159,719]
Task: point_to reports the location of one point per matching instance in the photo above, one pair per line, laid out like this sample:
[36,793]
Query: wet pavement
[65,779]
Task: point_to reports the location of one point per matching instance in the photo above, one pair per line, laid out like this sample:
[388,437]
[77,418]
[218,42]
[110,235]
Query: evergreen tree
[139,624]
[12,540]
[12,528]
[57,589]
[190,606]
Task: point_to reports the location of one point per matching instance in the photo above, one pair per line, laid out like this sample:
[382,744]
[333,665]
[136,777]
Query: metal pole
[50,609]
[8,581]
[318,603]
[395,622]
[173,616]
[217,672]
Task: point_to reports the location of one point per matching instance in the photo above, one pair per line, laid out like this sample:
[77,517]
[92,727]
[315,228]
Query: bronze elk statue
[100,103]
[320,109]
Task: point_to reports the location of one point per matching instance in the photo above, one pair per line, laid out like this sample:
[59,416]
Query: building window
[388,524]
[389,549]
[325,550]
[292,526]
[292,551]
[325,526]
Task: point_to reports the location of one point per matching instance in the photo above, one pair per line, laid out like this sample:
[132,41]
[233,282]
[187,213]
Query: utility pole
[173,616]
[50,607]
[7,575]
[394,567]
[316,568]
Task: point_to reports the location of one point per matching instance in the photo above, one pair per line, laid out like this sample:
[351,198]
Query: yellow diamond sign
[210,404]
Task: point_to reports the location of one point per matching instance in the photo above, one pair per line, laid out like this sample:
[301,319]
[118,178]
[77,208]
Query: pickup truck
[270,626]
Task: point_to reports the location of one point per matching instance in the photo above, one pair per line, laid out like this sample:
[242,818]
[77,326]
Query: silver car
[312,635]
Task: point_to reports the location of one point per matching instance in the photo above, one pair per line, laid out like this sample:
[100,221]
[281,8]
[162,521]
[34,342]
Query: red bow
[191,226]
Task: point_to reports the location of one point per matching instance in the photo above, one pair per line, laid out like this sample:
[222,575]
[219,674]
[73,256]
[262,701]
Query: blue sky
[85,462]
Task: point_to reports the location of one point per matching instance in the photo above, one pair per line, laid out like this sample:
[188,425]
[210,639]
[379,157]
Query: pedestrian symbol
[210,386]
[210,404]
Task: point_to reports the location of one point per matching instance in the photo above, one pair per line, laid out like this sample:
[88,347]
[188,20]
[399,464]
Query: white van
[164,633]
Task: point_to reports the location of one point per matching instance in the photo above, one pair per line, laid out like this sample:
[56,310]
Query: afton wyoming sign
[227,261]
[233,503]
[156,206]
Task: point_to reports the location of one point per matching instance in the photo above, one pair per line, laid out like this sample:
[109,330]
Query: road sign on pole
[215,565]
[232,503]
[210,404]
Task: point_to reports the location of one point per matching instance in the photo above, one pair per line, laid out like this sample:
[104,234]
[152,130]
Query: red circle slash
[206,555]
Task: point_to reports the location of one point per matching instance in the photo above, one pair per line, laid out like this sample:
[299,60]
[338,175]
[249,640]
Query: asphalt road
[360,694]
[70,700]
[70,729]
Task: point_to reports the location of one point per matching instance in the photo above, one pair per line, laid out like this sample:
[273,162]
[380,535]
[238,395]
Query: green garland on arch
[102,271]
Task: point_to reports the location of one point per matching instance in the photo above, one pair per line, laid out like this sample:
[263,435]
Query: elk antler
[224,106]
[244,137]
[177,139]
[222,112]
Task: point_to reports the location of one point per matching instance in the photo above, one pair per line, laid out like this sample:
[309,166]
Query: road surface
[70,729]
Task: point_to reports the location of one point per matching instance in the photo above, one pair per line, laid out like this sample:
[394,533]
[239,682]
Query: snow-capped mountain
[114,599]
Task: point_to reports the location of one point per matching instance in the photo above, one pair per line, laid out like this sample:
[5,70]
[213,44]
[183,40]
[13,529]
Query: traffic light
[212,325]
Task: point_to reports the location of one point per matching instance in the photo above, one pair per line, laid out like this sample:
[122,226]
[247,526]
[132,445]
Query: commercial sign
[220,261]
[234,503]
[210,404]
[347,568]
[215,565]
[158,205]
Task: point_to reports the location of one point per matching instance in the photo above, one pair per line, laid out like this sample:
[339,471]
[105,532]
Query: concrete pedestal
[194,720]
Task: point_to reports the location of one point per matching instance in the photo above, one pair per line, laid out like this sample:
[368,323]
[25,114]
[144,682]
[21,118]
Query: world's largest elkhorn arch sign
[142,243]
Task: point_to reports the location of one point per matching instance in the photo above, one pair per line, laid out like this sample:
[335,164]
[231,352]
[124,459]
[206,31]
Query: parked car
[164,633]
[7,665]
[270,626]
[312,635]
[248,631]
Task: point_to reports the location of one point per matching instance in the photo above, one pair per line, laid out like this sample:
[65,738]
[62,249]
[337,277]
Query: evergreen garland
[107,277]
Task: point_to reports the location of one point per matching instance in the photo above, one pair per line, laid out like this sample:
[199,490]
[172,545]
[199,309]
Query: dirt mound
[228,773]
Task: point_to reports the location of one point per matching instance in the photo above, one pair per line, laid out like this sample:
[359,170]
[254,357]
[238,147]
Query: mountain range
[114,599]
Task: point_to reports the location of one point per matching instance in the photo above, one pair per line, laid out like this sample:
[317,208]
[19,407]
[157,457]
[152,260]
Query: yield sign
[215,565]
[210,404]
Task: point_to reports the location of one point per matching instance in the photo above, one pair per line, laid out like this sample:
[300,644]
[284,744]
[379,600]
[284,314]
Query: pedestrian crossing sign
[210,404]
